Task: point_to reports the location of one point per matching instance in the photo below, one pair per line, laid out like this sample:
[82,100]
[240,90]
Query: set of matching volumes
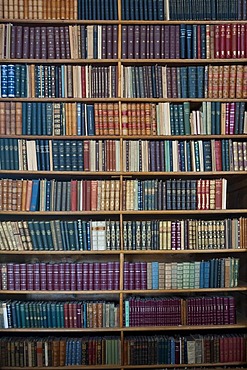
[54,314]
[186,234]
[58,81]
[57,118]
[159,311]
[188,349]
[174,194]
[64,276]
[58,42]
[185,41]
[197,81]
[63,351]
[60,155]
[59,235]
[54,195]
[214,273]
[184,156]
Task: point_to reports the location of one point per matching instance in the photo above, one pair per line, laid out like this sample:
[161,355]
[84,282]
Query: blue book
[132,9]
[47,117]
[189,41]
[136,10]
[40,123]
[48,235]
[126,8]
[48,201]
[123,10]
[14,155]
[23,81]
[88,236]
[29,116]
[34,118]
[47,155]
[172,346]
[150,10]
[34,204]
[200,82]
[106,10]
[206,274]
[11,80]
[17,80]
[24,118]
[183,53]
[32,233]
[184,82]
[90,120]
[83,121]
[203,41]
[115,9]
[43,235]
[160,10]
[78,118]
[94,9]
[155,275]
[192,81]
[37,233]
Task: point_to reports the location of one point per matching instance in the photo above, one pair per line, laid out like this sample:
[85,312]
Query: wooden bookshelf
[222,243]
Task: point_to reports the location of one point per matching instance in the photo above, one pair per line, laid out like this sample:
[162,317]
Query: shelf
[125,252]
[129,329]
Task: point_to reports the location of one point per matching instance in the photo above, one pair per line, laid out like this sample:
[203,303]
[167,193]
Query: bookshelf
[123,160]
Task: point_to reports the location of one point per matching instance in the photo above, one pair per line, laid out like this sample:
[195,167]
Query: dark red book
[217,41]
[23,276]
[30,276]
[43,276]
[49,274]
[222,41]
[43,43]
[85,274]
[90,276]
[36,276]
[96,276]
[17,281]
[126,275]
[19,42]
[50,42]
[61,276]
[10,276]
[79,275]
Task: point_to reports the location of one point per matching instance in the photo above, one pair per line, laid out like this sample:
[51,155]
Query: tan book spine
[6,194]
[226,81]
[18,118]
[40,9]
[2,118]
[63,9]
[1,9]
[239,81]
[30,9]
[244,96]
[233,82]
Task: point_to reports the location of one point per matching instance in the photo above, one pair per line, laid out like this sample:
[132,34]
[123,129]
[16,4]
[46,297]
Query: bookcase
[123,159]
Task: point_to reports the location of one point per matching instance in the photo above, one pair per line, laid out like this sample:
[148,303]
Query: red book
[228,44]
[199,194]
[218,194]
[222,41]
[217,41]
[94,195]
[234,41]
[238,41]
[79,274]
[243,37]
[67,276]
[85,275]
[43,276]
[30,277]
[61,275]
[73,191]
[218,155]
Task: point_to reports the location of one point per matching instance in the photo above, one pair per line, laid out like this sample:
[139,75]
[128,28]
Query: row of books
[159,311]
[188,349]
[179,156]
[212,118]
[186,234]
[214,273]
[206,310]
[41,9]
[58,42]
[77,235]
[60,351]
[130,10]
[53,195]
[174,194]
[183,41]
[209,10]
[60,155]
[64,276]
[49,118]
[58,81]
[138,156]
[211,81]
[54,314]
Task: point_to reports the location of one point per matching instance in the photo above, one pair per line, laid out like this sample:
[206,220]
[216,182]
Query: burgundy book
[126,275]
[55,276]
[131,276]
[103,275]
[36,276]
[85,279]
[151,42]
[79,271]
[49,274]
[143,42]
[30,276]
[172,41]
[67,276]
[50,42]
[104,42]
[10,276]
[177,41]
[13,42]
[116,275]
[37,49]
[96,276]
[137,41]
[109,41]
[90,276]
[73,276]
[157,42]
[17,280]
[23,276]
[110,275]
[143,275]
[114,41]
[61,276]
[43,276]
[19,42]
[43,43]
[130,44]
[31,43]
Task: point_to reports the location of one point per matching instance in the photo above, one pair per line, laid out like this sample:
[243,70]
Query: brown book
[28,195]
[5,194]
[124,115]
[244,95]
[233,82]
[40,9]
[94,192]
[239,72]
[2,118]
[226,81]
[110,118]
[11,8]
